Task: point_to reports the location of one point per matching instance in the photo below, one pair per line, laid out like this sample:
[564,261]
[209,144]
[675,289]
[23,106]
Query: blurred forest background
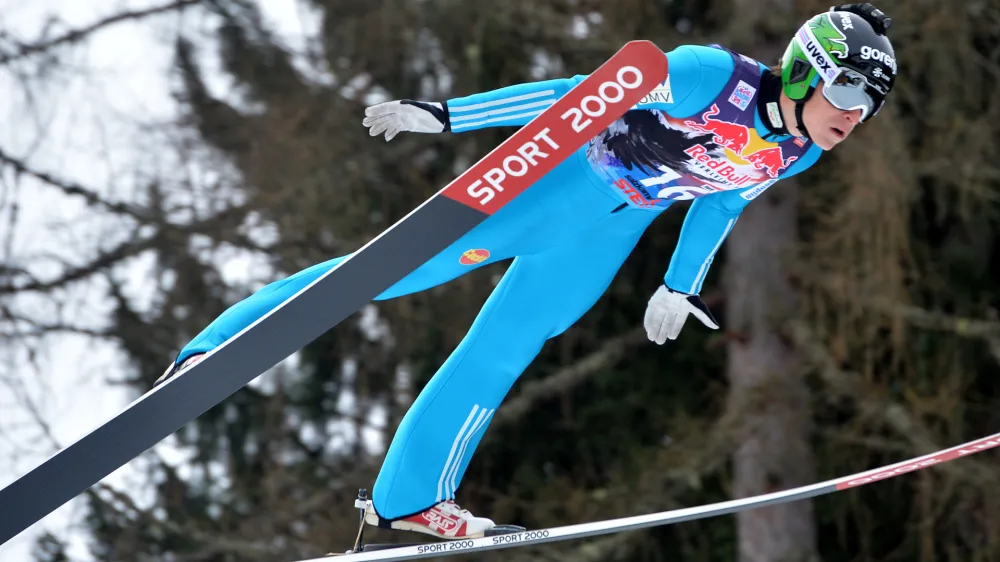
[859,301]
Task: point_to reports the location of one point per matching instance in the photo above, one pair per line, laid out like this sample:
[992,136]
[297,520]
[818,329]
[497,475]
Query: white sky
[84,131]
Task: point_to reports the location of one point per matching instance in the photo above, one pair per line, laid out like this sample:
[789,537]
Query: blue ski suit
[697,136]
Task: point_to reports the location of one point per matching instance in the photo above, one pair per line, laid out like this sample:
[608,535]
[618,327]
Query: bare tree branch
[892,414]
[16,389]
[214,544]
[104,259]
[70,188]
[77,35]
[965,327]
[986,330]
[39,329]
[568,377]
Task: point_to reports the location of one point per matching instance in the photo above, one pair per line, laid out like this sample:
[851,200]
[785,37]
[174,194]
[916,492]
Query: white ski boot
[174,369]
[445,521]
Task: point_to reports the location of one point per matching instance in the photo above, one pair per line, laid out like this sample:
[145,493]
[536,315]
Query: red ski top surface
[548,139]
[969,448]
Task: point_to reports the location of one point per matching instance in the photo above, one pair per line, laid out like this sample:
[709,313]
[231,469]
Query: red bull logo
[721,168]
[770,160]
[736,137]
[473,257]
[730,135]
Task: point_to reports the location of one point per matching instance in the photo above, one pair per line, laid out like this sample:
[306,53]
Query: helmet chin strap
[800,106]
[769,107]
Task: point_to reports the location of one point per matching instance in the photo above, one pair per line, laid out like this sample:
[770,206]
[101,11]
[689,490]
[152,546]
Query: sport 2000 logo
[629,77]
[579,117]
[522,536]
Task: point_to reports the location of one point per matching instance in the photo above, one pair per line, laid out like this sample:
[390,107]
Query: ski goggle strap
[844,88]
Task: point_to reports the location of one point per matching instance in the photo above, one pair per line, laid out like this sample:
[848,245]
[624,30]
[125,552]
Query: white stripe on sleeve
[462,126]
[704,265]
[507,109]
[504,101]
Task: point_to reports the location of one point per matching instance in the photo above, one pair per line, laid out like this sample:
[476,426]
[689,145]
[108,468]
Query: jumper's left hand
[668,310]
[392,117]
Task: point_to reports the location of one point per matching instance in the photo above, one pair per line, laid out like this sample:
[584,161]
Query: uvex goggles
[845,88]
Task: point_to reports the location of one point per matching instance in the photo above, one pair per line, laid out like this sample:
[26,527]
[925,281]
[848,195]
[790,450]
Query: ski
[533,150]
[534,537]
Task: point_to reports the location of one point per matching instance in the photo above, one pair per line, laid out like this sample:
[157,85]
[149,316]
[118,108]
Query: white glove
[667,310]
[391,117]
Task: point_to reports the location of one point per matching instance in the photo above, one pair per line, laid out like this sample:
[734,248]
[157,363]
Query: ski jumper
[697,136]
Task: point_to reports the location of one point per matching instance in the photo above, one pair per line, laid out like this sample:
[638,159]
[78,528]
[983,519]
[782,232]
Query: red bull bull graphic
[736,137]
[770,160]
[728,135]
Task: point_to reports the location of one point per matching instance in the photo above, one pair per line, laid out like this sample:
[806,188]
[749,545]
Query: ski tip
[647,50]
[646,43]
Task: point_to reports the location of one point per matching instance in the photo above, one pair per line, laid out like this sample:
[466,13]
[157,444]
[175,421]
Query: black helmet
[855,61]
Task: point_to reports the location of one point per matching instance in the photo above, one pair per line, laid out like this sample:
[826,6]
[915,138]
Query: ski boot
[444,521]
[173,369]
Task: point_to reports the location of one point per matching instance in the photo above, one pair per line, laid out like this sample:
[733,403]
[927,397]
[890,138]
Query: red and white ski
[535,149]
[386,553]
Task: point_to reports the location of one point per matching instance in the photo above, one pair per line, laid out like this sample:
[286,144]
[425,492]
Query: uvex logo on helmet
[820,60]
[824,63]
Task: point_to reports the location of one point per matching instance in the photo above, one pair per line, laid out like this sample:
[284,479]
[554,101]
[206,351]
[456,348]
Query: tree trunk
[767,388]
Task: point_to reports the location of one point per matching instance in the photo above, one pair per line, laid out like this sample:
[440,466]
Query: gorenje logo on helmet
[871,53]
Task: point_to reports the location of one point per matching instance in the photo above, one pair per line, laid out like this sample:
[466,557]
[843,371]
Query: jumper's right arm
[514,105]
